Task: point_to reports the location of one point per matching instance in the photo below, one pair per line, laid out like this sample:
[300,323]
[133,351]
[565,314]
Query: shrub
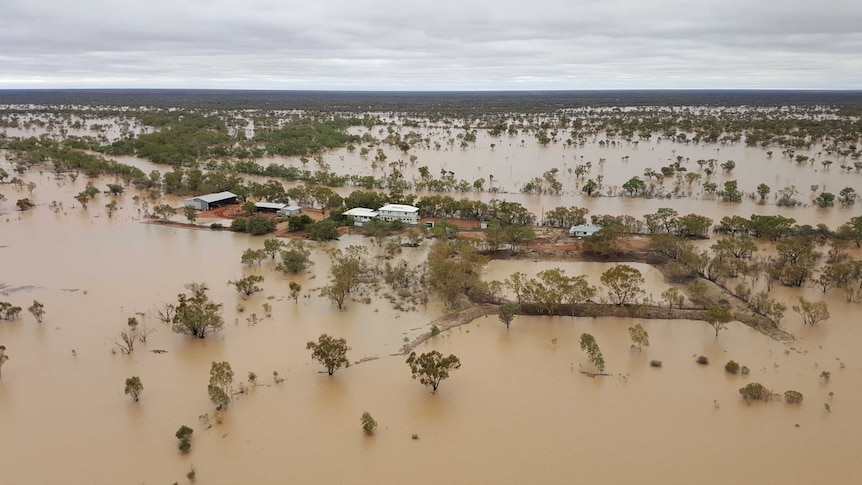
[745,370]
[368,423]
[793,397]
[702,360]
[825,375]
[755,392]
[655,363]
[435,330]
[238,225]
[184,434]
[216,225]
[732,367]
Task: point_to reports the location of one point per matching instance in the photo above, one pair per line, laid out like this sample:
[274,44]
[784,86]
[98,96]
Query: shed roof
[210,198]
[292,207]
[270,205]
[399,208]
[360,212]
[583,228]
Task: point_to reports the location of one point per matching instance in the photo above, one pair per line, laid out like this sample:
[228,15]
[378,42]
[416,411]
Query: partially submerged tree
[589,345]
[3,358]
[672,296]
[812,312]
[165,211]
[368,423]
[184,434]
[330,352]
[247,285]
[431,368]
[134,387]
[639,336]
[37,310]
[191,214]
[295,258]
[195,314]
[718,317]
[221,384]
[756,391]
[507,313]
[623,284]
[295,289]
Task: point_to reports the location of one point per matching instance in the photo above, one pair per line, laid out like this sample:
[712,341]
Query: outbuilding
[583,231]
[404,213]
[268,206]
[360,215]
[210,201]
[289,210]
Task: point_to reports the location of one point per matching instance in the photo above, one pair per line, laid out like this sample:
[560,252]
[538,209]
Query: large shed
[583,231]
[289,210]
[210,201]
[269,206]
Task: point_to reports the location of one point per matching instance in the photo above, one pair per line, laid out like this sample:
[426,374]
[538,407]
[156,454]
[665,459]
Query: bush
[216,225]
[655,363]
[298,223]
[323,230]
[702,360]
[238,225]
[260,224]
[368,423]
[732,367]
[745,370]
[793,397]
[435,330]
[755,392]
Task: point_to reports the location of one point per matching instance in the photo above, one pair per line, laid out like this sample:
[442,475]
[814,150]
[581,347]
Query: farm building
[360,215]
[210,201]
[583,231]
[289,210]
[269,206]
[404,213]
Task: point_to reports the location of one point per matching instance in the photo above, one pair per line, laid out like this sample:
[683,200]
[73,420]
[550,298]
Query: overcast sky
[431,45]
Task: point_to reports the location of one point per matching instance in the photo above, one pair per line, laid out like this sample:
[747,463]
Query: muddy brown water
[518,411]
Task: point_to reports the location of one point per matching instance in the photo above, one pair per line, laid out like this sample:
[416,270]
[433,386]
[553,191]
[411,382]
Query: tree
[756,391]
[346,273]
[634,186]
[221,384]
[110,208]
[718,317]
[793,397]
[165,211]
[825,199]
[9,311]
[623,283]
[431,368]
[731,192]
[368,423]
[295,288]
[811,312]
[639,336]
[847,196]
[85,195]
[247,285]
[134,387]
[184,434]
[763,190]
[507,313]
[37,310]
[330,352]
[454,269]
[191,214]
[272,246]
[672,296]
[323,230]
[195,314]
[24,204]
[590,187]
[851,231]
[295,259]
[588,344]
[3,358]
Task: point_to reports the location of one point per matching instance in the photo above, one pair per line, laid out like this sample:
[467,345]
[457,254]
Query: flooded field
[518,411]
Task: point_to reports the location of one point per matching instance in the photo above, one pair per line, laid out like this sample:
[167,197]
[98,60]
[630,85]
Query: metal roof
[583,228]
[360,212]
[270,205]
[210,198]
[399,208]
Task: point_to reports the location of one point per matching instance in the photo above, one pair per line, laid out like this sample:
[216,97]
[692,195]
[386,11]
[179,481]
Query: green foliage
[272,246]
[37,310]
[589,345]
[184,434]
[756,392]
[346,274]
[295,258]
[718,317]
[812,312]
[368,423]
[432,368]
[639,336]
[793,397]
[295,288]
[250,257]
[3,358]
[825,199]
[165,211]
[195,314]
[134,387]
[435,330]
[731,192]
[330,352]
[454,269]
[634,186]
[623,284]
[305,137]
[248,285]
[324,230]
[221,384]
[732,367]
[9,311]
[566,216]
[763,190]
[299,223]
[191,214]
[507,313]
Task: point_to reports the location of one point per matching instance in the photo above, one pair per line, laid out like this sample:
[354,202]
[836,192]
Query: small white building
[404,213]
[360,215]
[583,231]
[289,210]
[209,201]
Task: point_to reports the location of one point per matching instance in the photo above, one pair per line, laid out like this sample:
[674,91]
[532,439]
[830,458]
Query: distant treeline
[446,103]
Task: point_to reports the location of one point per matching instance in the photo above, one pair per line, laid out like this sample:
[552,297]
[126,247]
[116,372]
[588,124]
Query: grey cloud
[381,44]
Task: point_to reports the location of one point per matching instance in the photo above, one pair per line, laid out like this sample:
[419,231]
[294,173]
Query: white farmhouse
[404,213]
[360,215]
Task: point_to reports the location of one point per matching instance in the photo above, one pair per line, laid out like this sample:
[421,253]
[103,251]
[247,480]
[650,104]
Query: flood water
[518,411]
